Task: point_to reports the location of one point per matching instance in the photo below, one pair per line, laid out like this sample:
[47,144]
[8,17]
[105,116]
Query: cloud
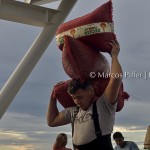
[28,132]
[26,116]
[134,113]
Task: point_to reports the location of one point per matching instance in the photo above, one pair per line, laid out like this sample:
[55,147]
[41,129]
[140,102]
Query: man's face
[120,141]
[83,98]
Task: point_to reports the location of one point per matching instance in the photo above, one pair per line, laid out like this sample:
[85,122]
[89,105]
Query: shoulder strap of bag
[96,121]
[73,120]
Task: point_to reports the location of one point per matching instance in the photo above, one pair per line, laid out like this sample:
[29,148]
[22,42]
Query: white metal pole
[22,71]
[27,1]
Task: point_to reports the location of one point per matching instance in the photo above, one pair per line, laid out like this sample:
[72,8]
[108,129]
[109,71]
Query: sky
[24,126]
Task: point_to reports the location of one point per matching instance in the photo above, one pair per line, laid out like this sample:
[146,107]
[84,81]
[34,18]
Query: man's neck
[124,144]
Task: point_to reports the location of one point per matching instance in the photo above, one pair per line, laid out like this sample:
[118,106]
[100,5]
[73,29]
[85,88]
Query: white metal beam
[26,13]
[27,1]
[41,2]
[22,71]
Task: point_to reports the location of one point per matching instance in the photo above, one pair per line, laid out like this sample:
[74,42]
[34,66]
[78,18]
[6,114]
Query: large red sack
[60,91]
[99,85]
[122,96]
[79,60]
[95,29]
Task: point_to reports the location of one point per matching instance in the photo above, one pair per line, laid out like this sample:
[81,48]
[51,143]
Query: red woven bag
[99,86]
[79,60]
[95,29]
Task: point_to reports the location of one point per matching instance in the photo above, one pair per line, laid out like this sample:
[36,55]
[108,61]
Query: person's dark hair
[76,85]
[61,142]
[117,135]
[63,134]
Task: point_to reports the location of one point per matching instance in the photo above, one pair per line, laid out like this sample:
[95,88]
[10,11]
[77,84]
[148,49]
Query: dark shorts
[101,143]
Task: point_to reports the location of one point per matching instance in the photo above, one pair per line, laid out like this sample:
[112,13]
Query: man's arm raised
[54,117]
[116,74]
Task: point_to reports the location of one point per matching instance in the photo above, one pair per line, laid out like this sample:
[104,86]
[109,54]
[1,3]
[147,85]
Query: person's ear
[91,90]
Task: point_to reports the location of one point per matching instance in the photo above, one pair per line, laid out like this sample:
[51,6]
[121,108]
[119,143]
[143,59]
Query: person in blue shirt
[123,145]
